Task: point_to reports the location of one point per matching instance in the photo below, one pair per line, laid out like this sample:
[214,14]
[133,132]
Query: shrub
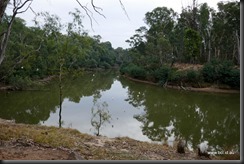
[193,76]
[221,72]
[134,71]
[20,82]
[178,77]
[105,65]
[137,72]
[210,71]
[162,74]
[232,78]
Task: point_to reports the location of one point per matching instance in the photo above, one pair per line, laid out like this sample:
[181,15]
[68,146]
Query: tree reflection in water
[196,117]
[100,113]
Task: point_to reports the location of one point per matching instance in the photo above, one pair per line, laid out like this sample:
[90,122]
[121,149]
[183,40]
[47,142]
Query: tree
[100,116]
[18,5]
[205,29]
[192,42]
[226,31]
[3,5]
[18,8]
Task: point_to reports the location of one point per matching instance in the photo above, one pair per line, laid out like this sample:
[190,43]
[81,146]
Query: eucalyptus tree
[20,6]
[226,31]
[192,41]
[161,22]
[205,29]
[23,57]
[3,5]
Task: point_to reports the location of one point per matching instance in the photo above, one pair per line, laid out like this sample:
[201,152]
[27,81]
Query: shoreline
[205,89]
[38,142]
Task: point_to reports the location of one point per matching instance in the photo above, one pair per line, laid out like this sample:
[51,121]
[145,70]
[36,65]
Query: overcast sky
[116,27]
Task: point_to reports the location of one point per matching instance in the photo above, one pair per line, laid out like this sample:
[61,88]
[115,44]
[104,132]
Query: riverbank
[43,81]
[36,142]
[204,89]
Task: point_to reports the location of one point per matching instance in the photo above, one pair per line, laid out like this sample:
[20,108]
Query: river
[139,111]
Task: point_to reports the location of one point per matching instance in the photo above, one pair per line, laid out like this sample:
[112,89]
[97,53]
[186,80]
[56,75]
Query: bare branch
[23,4]
[96,9]
[33,11]
[26,8]
[86,10]
[123,7]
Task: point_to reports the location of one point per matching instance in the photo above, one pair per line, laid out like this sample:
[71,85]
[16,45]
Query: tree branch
[95,8]
[123,7]
[86,10]
[26,8]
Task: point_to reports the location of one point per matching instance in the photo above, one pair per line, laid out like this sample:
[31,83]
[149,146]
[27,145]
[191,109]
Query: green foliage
[34,52]
[221,72]
[196,35]
[162,74]
[193,76]
[233,78]
[134,71]
[100,116]
[177,77]
[106,65]
[20,82]
[192,41]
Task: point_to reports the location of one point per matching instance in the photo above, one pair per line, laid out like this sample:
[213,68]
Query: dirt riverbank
[35,142]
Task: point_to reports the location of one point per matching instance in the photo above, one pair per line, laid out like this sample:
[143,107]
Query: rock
[181,146]
[74,156]
[202,149]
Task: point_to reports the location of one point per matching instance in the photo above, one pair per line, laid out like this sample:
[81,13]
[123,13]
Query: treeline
[50,47]
[198,35]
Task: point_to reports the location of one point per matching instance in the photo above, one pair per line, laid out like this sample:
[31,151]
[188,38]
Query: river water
[139,111]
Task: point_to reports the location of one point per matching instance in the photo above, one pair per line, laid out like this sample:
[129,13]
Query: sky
[116,27]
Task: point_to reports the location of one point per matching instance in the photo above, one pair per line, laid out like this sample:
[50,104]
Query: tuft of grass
[53,136]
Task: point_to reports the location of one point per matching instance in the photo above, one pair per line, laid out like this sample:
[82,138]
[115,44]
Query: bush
[137,72]
[193,76]
[178,77]
[162,74]
[105,65]
[210,71]
[20,82]
[232,78]
[221,72]
[134,71]
[91,63]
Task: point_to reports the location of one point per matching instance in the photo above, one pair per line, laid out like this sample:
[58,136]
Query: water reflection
[139,111]
[99,114]
[28,107]
[196,117]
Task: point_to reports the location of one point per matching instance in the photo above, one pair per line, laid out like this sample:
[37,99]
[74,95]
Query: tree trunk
[238,48]
[209,46]
[3,5]
[5,37]
[60,93]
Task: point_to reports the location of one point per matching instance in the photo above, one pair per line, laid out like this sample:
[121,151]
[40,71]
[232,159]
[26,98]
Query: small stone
[74,156]
[181,147]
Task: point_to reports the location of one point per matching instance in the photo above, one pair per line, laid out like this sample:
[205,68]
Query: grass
[94,147]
